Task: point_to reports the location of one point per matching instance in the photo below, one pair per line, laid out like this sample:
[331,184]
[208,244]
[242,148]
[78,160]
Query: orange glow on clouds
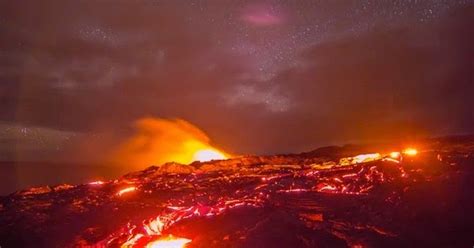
[169,242]
[158,141]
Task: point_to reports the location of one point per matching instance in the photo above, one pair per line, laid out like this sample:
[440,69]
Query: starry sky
[258,77]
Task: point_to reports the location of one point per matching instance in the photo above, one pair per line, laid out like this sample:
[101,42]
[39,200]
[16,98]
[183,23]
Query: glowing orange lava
[366,157]
[96,183]
[208,155]
[169,242]
[126,190]
[395,155]
[154,227]
[362,158]
[410,152]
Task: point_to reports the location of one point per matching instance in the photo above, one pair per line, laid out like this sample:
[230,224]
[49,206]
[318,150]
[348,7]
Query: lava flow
[352,196]
[169,242]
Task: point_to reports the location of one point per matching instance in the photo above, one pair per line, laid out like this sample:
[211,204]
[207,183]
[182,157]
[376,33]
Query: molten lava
[126,190]
[169,242]
[395,155]
[208,155]
[96,183]
[362,158]
[410,152]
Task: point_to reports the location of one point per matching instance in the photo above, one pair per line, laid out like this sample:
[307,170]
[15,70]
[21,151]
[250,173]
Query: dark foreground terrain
[330,197]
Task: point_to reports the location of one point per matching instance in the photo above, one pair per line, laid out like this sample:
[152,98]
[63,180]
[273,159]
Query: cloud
[262,15]
[400,82]
[158,141]
[30,143]
[270,99]
[87,69]
[149,141]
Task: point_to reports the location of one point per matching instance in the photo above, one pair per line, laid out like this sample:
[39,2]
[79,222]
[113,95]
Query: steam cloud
[158,141]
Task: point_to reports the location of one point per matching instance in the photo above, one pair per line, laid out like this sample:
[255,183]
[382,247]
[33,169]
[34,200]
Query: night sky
[258,77]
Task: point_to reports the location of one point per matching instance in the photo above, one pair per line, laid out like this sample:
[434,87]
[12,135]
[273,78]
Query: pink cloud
[261,15]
